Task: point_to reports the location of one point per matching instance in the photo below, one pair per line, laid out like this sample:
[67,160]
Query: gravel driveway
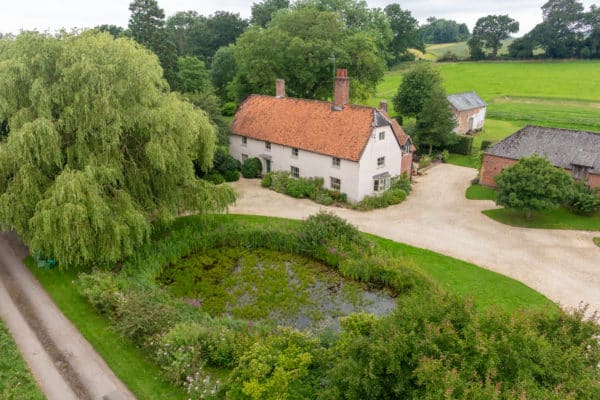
[563,265]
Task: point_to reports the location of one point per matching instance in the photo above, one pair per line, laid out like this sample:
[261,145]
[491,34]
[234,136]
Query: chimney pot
[383,106]
[279,88]
[341,90]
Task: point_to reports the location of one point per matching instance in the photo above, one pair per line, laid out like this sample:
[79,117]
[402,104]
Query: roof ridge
[311,100]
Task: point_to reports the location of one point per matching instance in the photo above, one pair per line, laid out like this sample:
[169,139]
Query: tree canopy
[533,184]
[488,33]
[96,147]
[297,46]
[405,31]
[262,12]
[416,86]
[439,30]
[435,122]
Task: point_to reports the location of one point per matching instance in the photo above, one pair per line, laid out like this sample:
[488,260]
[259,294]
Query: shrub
[448,57]
[267,180]
[252,168]
[485,144]
[280,180]
[402,182]
[394,196]
[224,162]
[229,108]
[463,145]
[584,201]
[324,198]
[445,155]
[214,177]
[303,187]
[102,290]
[231,176]
[424,161]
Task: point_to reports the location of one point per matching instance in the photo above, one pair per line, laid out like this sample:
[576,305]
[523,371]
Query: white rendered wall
[479,118]
[388,148]
[310,164]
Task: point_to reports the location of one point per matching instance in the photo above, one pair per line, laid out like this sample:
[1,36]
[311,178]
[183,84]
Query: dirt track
[63,363]
[563,265]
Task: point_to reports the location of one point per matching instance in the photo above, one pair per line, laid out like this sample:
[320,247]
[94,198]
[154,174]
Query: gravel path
[64,364]
[563,265]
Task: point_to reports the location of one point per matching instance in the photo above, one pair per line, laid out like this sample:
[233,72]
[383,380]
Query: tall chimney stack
[279,88]
[341,90]
[383,106]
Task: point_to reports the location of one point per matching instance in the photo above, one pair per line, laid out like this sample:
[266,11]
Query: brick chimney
[279,88]
[341,90]
[383,106]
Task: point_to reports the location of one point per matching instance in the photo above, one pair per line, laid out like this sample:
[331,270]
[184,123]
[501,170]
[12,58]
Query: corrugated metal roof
[466,101]
[564,148]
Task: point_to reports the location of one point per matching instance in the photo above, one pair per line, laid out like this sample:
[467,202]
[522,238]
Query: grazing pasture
[564,94]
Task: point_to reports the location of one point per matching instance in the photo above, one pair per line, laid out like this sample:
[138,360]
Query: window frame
[381,185]
[380,162]
[295,152]
[268,146]
[332,184]
[244,141]
[294,172]
[381,135]
[336,162]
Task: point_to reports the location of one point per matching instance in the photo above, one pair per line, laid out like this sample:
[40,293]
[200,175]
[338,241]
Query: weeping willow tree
[95,149]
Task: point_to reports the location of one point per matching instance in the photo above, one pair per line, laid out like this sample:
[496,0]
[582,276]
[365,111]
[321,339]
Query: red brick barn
[469,110]
[577,152]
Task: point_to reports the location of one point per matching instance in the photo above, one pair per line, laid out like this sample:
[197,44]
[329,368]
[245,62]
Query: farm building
[355,149]
[578,152]
[469,110]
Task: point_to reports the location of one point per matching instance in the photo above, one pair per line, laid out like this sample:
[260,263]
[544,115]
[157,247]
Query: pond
[270,287]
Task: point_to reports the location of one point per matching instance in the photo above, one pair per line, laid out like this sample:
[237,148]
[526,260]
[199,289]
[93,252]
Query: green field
[16,382]
[435,51]
[563,94]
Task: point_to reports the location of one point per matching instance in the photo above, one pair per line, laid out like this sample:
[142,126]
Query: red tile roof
[311,125]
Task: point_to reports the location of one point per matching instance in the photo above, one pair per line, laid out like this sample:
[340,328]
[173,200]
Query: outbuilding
[469,110]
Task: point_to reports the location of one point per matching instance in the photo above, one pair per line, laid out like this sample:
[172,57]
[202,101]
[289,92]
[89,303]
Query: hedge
[463,145]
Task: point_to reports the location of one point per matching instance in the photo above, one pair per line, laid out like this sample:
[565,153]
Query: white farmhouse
[355,149]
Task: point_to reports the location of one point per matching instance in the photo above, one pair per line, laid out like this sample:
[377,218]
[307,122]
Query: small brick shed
[578,152]
[469,111]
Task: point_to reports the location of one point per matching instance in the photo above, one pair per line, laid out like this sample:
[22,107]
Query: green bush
[324,198]
[424,161]
[485,144]
[214,177]
[231,176]
[463,145]
[583,200]
[229,109]
[102,290]
[394,196]
[402,182]
[300,188]
[267,180]
[279,181]
[389,197]
[252,168]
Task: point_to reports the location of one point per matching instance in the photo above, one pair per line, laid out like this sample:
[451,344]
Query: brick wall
[492,166]
[594,180]
[462,119]
[406,163]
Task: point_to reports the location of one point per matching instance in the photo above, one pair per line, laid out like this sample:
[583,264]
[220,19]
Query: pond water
[271,287]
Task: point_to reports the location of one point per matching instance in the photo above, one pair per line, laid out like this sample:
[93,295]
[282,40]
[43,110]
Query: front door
[268,165]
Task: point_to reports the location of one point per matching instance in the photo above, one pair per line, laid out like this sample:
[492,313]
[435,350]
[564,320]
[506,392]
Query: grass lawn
[518,93]
[127,362]
[597,241]
[479,192]
[462,160]
[459,48]
[557,219]
[486,288]
[16,382]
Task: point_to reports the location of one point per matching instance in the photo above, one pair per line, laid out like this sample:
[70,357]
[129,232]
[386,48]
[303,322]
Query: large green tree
[439,30]
[298,46]
[223,70]
[435,121]
[97,148]
[533,184]
[405,30]
[147,27]
[262,12]
[417,84]
[489,32]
